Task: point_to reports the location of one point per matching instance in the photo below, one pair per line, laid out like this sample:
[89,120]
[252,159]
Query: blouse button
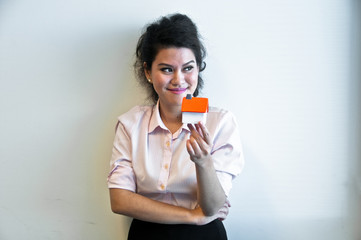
[166,166]
[162,186]
[168,143]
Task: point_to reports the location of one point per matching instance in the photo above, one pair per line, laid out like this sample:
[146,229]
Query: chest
[161,164]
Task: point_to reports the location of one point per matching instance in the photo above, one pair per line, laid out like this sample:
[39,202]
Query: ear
[146,71]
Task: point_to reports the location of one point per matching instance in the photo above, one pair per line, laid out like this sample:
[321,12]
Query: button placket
[164,172]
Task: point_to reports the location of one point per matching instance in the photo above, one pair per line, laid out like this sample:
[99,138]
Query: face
[174,74]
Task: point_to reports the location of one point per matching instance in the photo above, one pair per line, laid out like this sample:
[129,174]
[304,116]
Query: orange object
[195,104]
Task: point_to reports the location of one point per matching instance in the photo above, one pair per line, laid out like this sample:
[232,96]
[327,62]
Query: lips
[177,90]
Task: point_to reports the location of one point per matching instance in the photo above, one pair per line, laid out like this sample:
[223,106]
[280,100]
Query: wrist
[205,163]
[195,216]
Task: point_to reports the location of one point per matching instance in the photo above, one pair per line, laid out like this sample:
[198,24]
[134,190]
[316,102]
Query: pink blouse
[149,160]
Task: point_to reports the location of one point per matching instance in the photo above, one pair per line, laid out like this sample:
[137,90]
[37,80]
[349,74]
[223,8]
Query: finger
[205,133]
[193,149]
[190,148]
[199,130]
[225,209]
[228,203]
[195,146]
[204,148]
[195,133]
[221,215]
[223,212]
[200,147]
[191,128]
[195,130]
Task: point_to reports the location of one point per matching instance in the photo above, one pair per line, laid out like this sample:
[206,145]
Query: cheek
[194,79]
[158,85]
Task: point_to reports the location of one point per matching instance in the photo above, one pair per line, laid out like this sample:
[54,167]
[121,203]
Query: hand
[222,214]
[199,145]
[224,210]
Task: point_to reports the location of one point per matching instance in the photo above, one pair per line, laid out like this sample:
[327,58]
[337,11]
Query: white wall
[283,67]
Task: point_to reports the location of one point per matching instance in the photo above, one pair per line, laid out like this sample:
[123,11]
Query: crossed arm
[211,198]
[137,206]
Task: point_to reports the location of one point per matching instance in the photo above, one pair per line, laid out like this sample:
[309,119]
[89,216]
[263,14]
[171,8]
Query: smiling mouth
[177,90]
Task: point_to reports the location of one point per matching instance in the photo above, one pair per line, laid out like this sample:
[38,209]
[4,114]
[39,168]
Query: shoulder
[136,116]
[219,115]
[221,121]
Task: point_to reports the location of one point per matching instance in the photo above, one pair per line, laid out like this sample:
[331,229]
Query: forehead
[174,55]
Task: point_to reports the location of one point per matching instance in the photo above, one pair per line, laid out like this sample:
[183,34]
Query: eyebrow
[168,65]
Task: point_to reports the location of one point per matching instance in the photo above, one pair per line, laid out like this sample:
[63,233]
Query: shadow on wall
[354,207]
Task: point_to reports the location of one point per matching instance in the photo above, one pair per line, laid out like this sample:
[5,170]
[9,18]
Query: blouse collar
[156,121]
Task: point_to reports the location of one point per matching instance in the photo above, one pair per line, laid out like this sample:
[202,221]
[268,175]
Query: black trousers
[154,231]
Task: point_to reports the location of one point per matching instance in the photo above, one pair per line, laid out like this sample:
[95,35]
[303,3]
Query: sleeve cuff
[118,178]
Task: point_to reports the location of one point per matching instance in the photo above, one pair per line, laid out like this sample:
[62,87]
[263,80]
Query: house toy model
[194,109]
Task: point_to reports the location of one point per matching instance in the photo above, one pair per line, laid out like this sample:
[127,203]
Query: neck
[171,116]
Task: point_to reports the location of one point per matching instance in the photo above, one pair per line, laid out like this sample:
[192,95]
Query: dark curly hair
[176,30]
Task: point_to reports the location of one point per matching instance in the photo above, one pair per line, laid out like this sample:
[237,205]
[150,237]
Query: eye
[166,70]
[188,68]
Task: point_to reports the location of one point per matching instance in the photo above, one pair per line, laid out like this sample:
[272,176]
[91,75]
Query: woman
[173,178]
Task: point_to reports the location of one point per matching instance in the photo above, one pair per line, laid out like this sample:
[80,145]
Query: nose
[178,78]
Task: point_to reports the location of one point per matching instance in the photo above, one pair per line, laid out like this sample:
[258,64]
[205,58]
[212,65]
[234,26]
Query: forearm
[134,205]
[211,196]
